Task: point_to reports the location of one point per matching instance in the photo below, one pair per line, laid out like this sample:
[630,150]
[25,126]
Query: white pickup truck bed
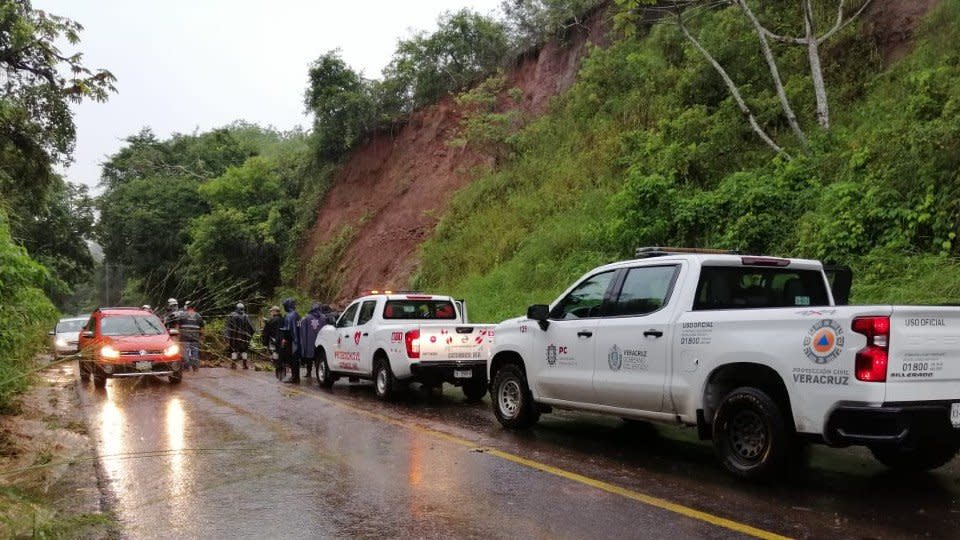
[395,339]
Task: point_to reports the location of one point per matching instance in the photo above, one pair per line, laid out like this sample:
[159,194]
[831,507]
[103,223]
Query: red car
[127,342]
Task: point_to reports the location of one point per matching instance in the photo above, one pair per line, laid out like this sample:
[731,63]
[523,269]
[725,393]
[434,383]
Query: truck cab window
[734,287]
[366,312]
[645,290]
[346,320]
[585,300]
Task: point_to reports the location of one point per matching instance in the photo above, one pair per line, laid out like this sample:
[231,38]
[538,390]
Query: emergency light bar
[655,251]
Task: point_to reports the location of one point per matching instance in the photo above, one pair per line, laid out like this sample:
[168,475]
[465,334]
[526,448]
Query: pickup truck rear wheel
[475,388]
[384,381]
[923,455]
[512,401]
[750,434]
[324,377]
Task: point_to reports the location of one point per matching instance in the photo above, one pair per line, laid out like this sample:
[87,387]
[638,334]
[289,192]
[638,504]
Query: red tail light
[412,339]
[871,365]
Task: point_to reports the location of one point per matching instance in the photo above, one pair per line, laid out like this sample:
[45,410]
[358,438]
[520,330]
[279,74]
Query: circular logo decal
[615,358]
[824,342]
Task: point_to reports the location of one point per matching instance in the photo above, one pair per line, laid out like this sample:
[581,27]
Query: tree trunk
[775,74]
[816,70]
[734,91]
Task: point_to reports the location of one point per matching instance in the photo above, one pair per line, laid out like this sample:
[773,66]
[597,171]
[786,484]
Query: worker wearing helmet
[171,317]
[238,331]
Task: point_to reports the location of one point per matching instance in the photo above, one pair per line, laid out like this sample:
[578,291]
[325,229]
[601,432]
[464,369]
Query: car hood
[135,343]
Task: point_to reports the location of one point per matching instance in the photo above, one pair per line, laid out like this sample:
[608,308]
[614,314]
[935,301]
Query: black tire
[84,372]
[475,388]
[176,378]
[918,456]
[384,382]
[750,435]
[99,381]
[324,377]
[512,401]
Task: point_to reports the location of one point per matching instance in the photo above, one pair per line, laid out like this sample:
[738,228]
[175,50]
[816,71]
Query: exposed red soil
[892,23]
[395,188]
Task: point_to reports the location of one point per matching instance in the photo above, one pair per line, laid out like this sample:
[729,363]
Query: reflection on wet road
[234,454]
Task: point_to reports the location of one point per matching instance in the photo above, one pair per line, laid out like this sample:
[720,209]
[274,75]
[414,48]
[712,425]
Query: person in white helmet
[171,318]
[238,332]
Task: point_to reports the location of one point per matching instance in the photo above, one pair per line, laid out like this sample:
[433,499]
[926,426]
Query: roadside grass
[27,515]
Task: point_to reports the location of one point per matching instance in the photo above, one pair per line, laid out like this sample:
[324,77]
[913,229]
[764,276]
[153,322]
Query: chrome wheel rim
[382,381]
[322,371]
[509,398]
[748,435]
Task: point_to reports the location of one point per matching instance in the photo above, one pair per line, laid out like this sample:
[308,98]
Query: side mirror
[173,332]
[539,313]
[87,333]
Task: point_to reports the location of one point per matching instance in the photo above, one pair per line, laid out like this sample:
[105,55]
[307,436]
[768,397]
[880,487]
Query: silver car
[66,334]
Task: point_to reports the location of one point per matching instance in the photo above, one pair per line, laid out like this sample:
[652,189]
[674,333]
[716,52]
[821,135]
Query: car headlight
[171,351]
[109,352]
[60,342]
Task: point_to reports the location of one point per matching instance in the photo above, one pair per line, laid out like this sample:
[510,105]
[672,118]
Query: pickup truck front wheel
[324,377]
[512,401]
[921,456]
[750,434]
[383,381]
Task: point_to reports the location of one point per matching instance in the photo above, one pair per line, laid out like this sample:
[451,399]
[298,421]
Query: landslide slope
[648,148]
[390,193]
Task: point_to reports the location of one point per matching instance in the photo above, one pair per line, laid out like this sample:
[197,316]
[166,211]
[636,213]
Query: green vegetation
[208,217]
[25,311]
[649,148]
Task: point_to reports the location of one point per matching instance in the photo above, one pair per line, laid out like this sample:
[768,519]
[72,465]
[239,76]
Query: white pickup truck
[753,351]
[395,339]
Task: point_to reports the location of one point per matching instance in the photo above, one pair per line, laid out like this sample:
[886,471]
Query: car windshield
[131,325]
[419,309]
[70,325]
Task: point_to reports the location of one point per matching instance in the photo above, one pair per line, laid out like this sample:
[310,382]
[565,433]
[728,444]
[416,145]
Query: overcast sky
[183,65]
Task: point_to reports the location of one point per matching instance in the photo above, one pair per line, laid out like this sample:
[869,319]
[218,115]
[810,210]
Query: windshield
[70,325]
[131,325]
[419,309]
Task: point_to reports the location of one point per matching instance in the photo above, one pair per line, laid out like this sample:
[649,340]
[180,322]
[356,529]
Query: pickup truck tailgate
[924,361]
[456,342]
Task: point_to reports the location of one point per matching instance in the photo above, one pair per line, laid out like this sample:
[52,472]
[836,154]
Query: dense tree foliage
[463,50]
[207,215]
[531,22]
[341,103]
[40,82]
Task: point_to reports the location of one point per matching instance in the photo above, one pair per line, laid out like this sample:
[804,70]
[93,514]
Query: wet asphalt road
[234,454]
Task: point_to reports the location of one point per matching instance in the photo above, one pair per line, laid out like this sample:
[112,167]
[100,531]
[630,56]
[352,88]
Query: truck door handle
[584,333]
[653,333]
[365,334]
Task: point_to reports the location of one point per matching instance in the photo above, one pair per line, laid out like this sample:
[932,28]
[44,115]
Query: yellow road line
[649,500]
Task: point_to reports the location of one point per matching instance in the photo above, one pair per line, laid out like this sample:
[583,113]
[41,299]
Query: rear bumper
[889,423]
[446,371]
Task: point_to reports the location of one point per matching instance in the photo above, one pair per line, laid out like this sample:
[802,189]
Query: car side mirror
[539,313]
[88,333]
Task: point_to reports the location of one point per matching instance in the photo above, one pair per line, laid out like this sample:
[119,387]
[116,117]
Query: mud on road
[235,454]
